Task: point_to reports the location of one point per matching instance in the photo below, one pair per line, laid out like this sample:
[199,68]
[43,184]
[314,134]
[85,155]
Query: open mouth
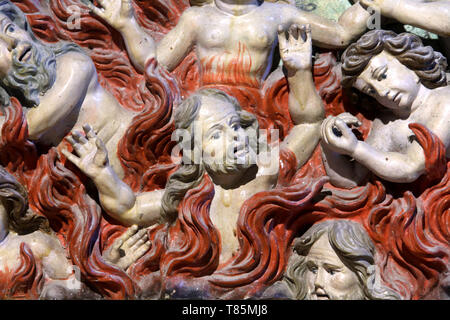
[25,54]
[321,295]
[397,97]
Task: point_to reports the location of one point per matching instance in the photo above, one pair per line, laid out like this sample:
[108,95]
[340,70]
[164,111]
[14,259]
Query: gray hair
[409,50]
[189,174]
[27,81]
[14,198]
[352,245]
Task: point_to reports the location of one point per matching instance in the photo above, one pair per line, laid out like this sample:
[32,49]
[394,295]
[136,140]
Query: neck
[421,98]
[237,7]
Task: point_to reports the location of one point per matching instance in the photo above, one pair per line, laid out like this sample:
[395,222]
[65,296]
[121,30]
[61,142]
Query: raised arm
[432,16]
[141,47]
[73,76]
[116,197]
[330,34]
[305,105]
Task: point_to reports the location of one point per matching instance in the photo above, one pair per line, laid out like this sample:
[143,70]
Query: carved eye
[235,126]
[215,135]
[10,28]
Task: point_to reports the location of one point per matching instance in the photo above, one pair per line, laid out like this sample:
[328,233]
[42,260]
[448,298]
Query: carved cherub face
[14,41]
[327,278]
[225,144]
[390,82]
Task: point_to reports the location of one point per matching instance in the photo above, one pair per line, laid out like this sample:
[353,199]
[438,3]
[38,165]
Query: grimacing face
[390,82]
[224,141]
[13,40]
[327,278]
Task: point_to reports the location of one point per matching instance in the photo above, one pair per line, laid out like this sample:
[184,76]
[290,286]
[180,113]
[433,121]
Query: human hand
[92,156]
[128,248]
[117,13]
[336,133]
[296,47]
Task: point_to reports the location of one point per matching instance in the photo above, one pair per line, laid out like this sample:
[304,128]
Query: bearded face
[28,68]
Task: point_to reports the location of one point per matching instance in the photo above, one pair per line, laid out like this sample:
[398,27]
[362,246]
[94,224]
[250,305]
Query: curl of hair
[14,198]
[409,50]
[352,245]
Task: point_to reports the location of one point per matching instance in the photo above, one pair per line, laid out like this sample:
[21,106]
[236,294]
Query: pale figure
[18,224]
[57,85]
[431,15]
[234,40]
[228,144]
[333,260]
[409,80]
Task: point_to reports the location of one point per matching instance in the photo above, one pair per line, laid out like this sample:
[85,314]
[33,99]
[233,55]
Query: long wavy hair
[14,198]
[409,50]
[190,173]
[352,245]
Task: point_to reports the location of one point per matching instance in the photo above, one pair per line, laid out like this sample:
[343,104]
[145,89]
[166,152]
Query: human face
[327,278]
[13,41]
[391,83]
[225,144]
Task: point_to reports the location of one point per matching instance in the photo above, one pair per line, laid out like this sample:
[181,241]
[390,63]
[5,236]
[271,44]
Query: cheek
[343,282]
[5,61]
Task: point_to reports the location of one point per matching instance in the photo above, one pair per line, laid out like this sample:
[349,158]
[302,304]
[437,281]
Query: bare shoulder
[75,60]
[42,244]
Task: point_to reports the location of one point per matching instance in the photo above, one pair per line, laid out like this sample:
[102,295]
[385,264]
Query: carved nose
[11,42]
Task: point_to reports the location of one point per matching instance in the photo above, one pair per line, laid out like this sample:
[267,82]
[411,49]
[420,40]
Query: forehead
[215,110]
[322,252]
[4,18]
[380,60]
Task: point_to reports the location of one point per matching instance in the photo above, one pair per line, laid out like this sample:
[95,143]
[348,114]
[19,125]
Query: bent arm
[334,35]
[73,76]
[392,166]
[120,202]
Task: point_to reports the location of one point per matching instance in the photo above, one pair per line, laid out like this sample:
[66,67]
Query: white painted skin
[220,128]
[224,31]
[387,151]
[76,97]
[327,277]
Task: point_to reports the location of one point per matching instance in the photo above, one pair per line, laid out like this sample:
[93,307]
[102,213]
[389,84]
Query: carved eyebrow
[331,266]
[376,73]
[216,126]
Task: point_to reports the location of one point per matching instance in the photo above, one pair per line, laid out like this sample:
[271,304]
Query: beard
[230,163]
[352,295]
[26,80]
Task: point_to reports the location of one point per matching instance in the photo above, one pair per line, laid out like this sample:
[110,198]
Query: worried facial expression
[327,278]
[14,42]
[390,82]
[225,144]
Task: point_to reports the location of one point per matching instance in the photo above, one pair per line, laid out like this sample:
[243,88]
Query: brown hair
[428,64]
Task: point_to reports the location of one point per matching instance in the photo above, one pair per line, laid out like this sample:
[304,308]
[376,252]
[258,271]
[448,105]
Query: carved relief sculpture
[224,149]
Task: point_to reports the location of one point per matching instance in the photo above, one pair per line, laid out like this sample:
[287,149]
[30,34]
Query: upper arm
[174,47]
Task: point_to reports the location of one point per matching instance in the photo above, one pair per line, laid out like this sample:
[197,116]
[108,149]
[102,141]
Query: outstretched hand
[128,248]
[92,156]
[117,13]
[296,47]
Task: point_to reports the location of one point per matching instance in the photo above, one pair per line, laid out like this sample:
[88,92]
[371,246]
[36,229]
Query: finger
[142,250]
[101,156]
[308,34]
[294,32]
[71,157]
[135,238]
[281,37]
[90,133]
[71,140]
[79,137]
[130,232]
[342,126]
[99,12]
[117,244]
[102,3]
[350,119]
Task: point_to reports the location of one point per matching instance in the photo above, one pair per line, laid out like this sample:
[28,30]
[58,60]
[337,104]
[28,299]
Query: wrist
[131,26]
